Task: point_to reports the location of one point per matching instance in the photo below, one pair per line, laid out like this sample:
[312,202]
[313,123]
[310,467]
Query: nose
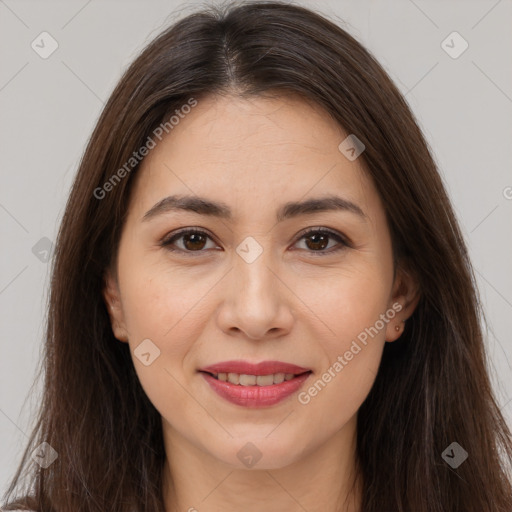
[255,301]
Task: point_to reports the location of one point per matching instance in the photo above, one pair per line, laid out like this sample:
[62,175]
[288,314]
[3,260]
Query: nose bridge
[254,283]
[253,300]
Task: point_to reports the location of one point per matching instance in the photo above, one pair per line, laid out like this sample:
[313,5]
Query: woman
[261,299]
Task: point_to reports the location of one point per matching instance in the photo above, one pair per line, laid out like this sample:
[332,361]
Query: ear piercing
[398,327]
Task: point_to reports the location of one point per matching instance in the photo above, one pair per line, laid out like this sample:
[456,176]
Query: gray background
[49,107]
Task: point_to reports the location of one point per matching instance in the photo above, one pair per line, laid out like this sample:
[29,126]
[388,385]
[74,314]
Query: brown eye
[317,241]
[194,241]
[191,241]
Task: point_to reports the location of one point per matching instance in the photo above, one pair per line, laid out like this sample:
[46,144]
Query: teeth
[247,380]
[252,380]
[234,378]
[265,380]
[278,378]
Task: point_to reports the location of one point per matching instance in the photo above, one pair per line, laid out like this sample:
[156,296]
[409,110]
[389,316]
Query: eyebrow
[204,206]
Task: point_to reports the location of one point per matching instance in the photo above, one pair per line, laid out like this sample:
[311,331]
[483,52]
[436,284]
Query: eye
[317,240]
[195,240]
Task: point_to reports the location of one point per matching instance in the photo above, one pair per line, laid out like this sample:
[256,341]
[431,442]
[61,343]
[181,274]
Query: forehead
[255,151]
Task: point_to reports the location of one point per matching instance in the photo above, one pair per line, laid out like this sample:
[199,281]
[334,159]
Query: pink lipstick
[255,385]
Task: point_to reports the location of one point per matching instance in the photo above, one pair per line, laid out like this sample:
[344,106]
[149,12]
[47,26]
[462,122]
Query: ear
[406,293]
[112,299]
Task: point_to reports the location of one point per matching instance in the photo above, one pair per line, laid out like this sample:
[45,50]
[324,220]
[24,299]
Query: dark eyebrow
[221,210]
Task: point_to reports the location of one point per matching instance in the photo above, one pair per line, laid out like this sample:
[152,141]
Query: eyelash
[343,242]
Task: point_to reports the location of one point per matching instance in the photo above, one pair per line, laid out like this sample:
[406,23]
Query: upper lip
[247,368]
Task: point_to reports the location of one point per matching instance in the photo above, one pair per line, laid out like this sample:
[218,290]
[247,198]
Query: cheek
[160,306]
[350,357]
[334,396]
[164,307]
[354,314]
[162,302]
[347,300]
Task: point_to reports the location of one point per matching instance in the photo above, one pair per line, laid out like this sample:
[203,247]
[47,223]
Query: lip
[247,368]
[255,396]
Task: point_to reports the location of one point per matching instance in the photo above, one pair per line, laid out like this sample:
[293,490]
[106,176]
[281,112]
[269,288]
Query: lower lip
[255,396]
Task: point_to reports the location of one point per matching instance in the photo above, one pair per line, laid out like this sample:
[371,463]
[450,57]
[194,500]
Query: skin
[290,304]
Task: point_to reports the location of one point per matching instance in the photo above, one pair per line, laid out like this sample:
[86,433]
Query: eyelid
[319,229]
[343,241]
[165,242]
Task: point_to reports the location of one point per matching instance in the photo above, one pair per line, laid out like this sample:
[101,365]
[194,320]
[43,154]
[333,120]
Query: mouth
[244,379]
[255,385]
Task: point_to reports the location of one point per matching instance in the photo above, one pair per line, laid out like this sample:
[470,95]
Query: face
[259,279]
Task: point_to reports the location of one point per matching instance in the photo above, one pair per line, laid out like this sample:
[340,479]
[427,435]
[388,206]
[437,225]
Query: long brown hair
[432,388]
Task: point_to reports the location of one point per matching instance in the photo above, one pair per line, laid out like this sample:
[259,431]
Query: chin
[260,452]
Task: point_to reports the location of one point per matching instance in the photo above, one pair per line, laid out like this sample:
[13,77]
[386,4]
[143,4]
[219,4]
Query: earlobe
[111,296]
[406,292]
[394,330]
